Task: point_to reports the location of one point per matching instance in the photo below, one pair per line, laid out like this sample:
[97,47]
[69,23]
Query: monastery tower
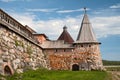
[87,46]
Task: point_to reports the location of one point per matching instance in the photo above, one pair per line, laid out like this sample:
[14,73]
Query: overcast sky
[49,17]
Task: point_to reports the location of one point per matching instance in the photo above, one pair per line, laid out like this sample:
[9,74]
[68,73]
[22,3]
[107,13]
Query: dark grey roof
[86,33]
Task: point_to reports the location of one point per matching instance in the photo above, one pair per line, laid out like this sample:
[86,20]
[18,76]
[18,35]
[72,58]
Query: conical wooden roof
[86,33]
[65,36]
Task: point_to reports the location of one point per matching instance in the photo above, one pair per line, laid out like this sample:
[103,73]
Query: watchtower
[87,46]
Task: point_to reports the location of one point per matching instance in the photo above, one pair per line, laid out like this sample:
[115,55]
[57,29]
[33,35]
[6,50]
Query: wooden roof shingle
[86,33]
[66,36]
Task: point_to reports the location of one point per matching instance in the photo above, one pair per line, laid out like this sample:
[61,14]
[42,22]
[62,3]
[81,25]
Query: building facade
[21,47]
[82,54]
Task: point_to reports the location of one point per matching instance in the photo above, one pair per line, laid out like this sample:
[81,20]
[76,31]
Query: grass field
[112,68]
[43,74]
[106,62]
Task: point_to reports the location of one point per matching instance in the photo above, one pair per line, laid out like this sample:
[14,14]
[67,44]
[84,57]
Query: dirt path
[115,75]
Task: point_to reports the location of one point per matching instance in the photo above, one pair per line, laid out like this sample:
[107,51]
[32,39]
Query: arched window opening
[7,71]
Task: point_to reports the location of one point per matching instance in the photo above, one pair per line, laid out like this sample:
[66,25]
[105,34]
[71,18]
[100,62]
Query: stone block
[19,70]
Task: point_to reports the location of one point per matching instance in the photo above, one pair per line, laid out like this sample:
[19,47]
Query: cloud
[42,10]
[52,28]
[55,10]
[24,18]
[103,26]
[69,11]
[115,6]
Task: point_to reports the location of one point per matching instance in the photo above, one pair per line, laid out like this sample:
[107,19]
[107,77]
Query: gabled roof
[86,33]
[66,36]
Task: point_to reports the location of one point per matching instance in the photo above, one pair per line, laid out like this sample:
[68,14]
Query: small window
[89,45]
[81,45]
[56,50]
[64,50]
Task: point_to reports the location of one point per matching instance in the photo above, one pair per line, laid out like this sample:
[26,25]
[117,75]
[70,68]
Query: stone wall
[18,52]
[59,61]
[87,57]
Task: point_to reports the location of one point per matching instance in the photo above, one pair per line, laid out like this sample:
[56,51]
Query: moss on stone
[19,43]
[16,43]
[29,50]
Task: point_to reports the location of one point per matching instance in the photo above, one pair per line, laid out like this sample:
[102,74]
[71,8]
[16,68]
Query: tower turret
[87,46]
[66,36]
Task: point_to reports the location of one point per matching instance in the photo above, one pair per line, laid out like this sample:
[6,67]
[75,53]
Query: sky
[50,16]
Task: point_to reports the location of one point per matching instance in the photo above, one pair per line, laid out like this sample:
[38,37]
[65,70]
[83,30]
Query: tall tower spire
[86,33]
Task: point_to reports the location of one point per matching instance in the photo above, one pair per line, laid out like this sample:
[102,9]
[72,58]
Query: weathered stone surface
[87,58]
[12,51]
[19,70]
[19,52]
[16,63]
[2,78]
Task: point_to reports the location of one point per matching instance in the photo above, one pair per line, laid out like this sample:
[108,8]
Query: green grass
[43,74]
